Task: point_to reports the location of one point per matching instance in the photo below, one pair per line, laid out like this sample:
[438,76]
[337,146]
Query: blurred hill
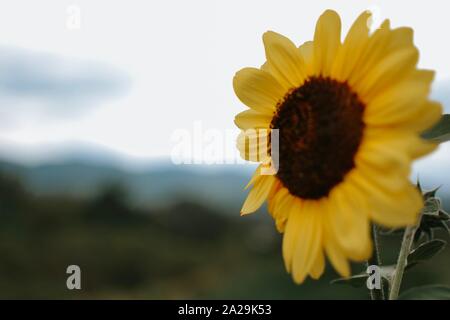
[159,185]
[186,250]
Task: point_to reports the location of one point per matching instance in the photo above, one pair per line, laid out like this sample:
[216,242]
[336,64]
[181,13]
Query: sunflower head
[348,116]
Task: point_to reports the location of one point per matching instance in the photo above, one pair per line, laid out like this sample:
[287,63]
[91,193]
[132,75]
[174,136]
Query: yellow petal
[258,194]
[402,211]
[318,267]
[291,233]
[301,243]
[384,149]
[391,149]
[373,52]
[307,52]
[271,198]
[277,186]
[256,176]
[397,102]
[389,209]
[308,244]
[334,252]
[388,71]
[393,178]
[364,250]
[348,217]
[401,38]
[258,89]
[281,208]
[422,147]
[253,145]
[327,39]
[284,59]
[265,67]
[349,53]
[249,119]
[422,119]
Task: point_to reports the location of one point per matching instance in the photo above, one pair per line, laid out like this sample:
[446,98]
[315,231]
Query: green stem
[405,249]
[376,294]
[402,262]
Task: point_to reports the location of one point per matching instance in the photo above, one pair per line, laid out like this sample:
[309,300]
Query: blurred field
[186,250]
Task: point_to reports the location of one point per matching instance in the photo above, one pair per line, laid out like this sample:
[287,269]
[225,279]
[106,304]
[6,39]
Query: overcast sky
[152,67]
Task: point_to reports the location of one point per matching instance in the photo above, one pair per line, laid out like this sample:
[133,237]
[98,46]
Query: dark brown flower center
[320,129]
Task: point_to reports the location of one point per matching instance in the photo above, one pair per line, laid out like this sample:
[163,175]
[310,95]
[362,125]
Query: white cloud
[182,56]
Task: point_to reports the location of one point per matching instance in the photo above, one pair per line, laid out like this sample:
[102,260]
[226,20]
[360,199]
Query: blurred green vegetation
[186,250]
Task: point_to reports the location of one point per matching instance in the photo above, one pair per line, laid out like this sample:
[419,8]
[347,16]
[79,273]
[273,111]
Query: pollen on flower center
[321,126]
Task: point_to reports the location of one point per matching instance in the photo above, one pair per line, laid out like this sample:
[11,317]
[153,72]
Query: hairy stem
[408,239]
[376,294]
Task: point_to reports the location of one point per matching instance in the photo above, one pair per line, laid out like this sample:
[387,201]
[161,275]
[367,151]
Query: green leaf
[359,280]
[434,217]
[425,251]
[440,132]
[355,281]
[392,232]
[431,193]
[444,215]
[429,292]
[446,227]
[432,206]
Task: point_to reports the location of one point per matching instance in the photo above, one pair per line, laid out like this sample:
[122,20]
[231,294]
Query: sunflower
[349,116]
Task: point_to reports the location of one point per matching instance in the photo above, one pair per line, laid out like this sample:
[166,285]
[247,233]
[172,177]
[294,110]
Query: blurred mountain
[159,185]
[185,251]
